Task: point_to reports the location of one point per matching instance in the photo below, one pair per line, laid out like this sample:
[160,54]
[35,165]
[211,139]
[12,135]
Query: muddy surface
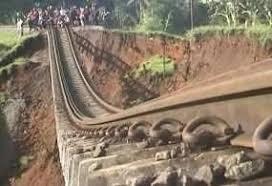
[31,126]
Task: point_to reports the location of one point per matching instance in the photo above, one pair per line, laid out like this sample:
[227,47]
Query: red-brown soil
[105,61]
[36,127]
[107,56]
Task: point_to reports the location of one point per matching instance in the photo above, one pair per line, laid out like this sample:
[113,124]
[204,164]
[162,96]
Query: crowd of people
[40,18]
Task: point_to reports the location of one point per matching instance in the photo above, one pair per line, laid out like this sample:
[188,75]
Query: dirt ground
[35,135]
[106,58]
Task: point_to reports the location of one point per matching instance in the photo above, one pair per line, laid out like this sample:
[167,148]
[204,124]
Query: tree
[267,8]
[124,16]
[227,9]
[140,6]
[250,8]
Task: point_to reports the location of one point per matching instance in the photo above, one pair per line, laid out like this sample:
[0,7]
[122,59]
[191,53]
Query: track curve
[78,107]
[80,100]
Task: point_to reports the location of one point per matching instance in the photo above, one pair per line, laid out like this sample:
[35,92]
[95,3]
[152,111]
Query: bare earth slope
[107,56]
[34,134]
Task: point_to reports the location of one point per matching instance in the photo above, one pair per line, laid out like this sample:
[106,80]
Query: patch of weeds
[156,65]
[214,31]
[261,33]
[22,163]
[3,99]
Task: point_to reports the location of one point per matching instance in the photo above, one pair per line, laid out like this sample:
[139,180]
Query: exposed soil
[35,134]
[106,58]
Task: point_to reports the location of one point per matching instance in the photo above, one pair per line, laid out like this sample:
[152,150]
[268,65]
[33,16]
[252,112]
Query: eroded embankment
[108,56]
[30,124]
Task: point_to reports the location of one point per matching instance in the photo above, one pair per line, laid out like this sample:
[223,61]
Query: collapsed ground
[26,97]
[27,124]
[128,68]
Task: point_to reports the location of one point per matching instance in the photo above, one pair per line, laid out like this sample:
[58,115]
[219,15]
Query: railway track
[94,135]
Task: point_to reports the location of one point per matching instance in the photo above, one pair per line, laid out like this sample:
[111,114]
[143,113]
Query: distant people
[60,22]
[19,24]
[92,15]
[82,17]
[86,13]
[66,20]
[39,18]
[32,19]
[20,28]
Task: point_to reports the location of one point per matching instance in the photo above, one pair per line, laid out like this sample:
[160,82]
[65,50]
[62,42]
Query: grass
[260,33]
[16,62]
[3,98]
[20,49]
[148,33]
[9,40]
[156,65]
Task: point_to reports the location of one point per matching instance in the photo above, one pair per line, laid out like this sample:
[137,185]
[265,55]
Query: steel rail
[226,90]
[102,102]
[75,113]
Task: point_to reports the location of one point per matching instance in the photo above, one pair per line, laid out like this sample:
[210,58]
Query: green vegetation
[158,15]
[150,34]
[8,68]
[156,65]
[171,16]
[9,41]
[249,18]
[261,33]
[24,161]
[15,52]
[155,17]
[225,17]
[3,98]
[19,49]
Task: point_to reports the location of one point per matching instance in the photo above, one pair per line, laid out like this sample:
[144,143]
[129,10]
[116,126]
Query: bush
[156,65]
